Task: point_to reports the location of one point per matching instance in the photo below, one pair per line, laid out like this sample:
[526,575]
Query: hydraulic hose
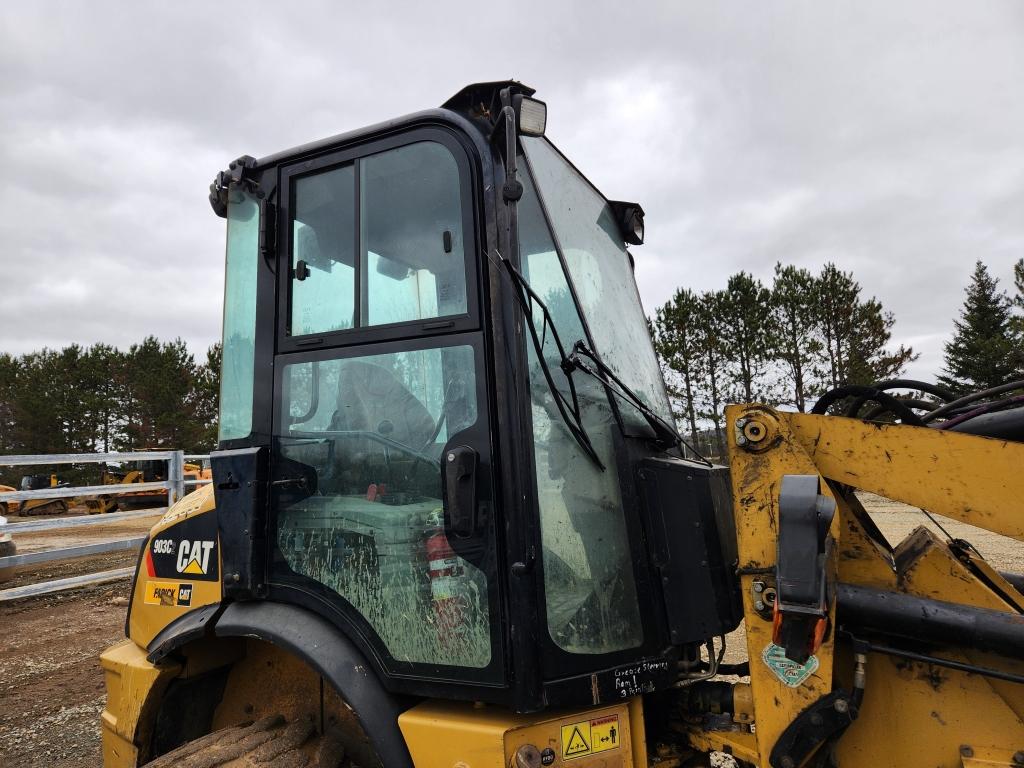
[878,410]
[998,405]
[883,386]
[973,397]
[905,415]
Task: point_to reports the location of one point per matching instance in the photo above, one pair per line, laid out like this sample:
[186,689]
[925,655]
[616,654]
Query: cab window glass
[589,590]
[323,248]
[600,271]
[404,260]
[412,254]
[237,361]
[372,430]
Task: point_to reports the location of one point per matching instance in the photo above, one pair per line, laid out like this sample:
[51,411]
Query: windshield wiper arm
[568,407]
[584,359]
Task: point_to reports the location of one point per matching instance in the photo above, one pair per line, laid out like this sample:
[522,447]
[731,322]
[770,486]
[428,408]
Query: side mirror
[630,218]
[460,498]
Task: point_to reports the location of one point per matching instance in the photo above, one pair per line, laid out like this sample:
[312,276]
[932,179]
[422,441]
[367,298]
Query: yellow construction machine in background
[138,472]
[35,506]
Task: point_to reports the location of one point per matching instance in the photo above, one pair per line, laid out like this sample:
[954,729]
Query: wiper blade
[568,407]
[586,360]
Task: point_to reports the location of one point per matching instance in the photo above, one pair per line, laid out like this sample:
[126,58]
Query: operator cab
[443,426]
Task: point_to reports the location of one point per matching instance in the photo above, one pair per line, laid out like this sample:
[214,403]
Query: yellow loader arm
[918,657]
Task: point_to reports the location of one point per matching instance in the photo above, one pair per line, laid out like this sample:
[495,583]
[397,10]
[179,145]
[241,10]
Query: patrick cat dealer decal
[170,593]
[186,550]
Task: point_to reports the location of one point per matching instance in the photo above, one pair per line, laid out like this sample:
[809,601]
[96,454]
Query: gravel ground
[51,684]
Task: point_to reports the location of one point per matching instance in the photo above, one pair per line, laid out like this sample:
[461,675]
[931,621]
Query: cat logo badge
[194,557]
[186,549]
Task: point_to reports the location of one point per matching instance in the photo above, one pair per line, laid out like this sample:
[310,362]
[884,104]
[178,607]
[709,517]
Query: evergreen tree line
[789,342]
[987,348]
[784,344]
[100,399]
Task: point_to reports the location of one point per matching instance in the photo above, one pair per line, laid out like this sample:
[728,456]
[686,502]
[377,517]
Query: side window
[238,357]
[373,429]
[413,257]
[323,252]
[404,260]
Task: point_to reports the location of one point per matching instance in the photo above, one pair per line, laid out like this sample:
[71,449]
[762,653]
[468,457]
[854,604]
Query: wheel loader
[452,525]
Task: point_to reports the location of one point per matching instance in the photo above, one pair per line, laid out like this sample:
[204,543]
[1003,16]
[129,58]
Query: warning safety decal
[590,736]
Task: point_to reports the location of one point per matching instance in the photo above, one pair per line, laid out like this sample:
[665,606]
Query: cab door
[382,511]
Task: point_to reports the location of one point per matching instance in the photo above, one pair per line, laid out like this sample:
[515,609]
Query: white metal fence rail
[175,485]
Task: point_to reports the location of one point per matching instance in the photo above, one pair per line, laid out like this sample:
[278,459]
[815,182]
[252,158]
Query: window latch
[301,270]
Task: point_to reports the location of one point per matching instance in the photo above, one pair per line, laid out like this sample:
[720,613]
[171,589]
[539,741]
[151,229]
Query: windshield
[590,595]
[599,268]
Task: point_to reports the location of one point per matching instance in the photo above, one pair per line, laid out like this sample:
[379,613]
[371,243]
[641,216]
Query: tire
[268,743]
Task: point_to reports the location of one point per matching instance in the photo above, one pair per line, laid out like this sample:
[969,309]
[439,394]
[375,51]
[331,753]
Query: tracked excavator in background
[452,524]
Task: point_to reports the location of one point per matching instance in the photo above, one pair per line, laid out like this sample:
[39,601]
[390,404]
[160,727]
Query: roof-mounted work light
[531,115]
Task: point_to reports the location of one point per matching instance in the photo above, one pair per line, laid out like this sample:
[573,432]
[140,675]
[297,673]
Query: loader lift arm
[929,632]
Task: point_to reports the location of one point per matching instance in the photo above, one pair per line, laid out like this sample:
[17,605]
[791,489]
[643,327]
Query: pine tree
[747,327]
[1017,321]
[713,363]
[206,396]
[103,378]
[981,353]
[854,334]
[159,402]
[870,358]
[677,340]
[796,345]
[1018,283]
[8,376]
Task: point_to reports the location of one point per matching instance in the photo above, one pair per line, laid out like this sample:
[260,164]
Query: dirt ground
[51,684]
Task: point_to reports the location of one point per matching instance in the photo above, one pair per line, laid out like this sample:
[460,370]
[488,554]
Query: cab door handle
[460,489]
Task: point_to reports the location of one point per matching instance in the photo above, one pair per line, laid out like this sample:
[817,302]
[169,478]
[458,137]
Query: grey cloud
[885,137]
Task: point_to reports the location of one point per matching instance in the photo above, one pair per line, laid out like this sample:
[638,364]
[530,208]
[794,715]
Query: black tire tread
[271,742]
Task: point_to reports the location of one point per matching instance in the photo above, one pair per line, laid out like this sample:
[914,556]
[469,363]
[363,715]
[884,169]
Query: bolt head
[1018,757]
[787,762]
[741,440]
[966,751]
[759,605]
[759,586]
[841,705]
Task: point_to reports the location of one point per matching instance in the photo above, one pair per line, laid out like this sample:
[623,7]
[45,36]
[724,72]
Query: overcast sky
[886,137]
